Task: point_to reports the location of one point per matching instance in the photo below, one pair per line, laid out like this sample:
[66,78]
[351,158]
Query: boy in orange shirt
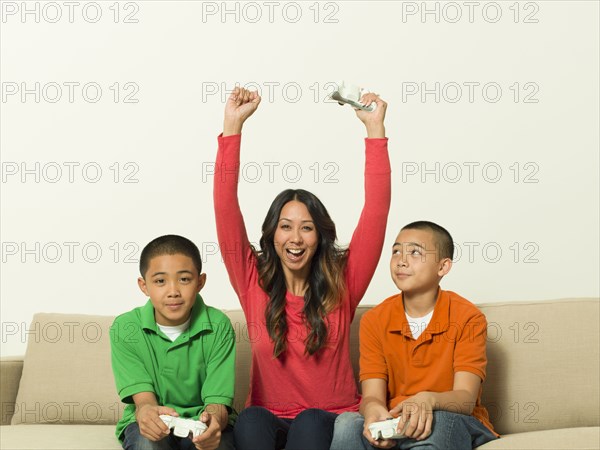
[422,355]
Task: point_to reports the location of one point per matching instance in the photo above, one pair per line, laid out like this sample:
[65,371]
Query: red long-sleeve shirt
[296,381]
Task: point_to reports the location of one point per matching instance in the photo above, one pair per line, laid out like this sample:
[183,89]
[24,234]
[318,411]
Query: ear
[142,286]
[201,282]
[445,266]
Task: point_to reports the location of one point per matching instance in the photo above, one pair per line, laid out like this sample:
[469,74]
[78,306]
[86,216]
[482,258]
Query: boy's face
[172,282]
[415,264]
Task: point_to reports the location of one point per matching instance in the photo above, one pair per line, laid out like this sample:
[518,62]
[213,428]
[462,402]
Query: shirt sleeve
[372,358]
[365,247]
[470,350]
[231,231]
[131,376]
[219,385]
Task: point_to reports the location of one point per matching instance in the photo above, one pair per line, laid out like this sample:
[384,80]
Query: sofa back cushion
[67,376]
[243,357]
[543,365]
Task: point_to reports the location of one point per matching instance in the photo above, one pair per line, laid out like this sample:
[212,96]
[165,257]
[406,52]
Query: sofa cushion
[572,438]
[243,357]
[59,437]
[535,350]
[67,375]
[543,366]
[12,368]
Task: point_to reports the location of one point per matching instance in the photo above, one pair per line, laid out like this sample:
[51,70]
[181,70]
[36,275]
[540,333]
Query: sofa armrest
[11,368]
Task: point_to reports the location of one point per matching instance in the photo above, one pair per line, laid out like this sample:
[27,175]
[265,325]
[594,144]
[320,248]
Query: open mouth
[294,254]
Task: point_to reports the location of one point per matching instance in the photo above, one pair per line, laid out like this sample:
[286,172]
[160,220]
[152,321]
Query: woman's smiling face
[296,239]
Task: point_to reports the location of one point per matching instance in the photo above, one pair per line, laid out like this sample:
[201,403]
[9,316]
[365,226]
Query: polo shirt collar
[200,320]
[439,321]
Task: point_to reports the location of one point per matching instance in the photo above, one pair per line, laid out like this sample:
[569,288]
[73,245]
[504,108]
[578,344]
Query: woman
[299,291]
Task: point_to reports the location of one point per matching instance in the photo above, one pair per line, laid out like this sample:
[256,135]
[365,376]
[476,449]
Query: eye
[395,251]
[159,281]
[185,279]
[415,252]
[307,228]
[285,226]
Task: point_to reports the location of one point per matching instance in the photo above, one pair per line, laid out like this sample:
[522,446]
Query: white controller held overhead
[183,427]
[386,429]
[348,94]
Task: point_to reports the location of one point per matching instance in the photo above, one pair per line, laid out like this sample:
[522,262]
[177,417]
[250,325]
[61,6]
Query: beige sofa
[542,389]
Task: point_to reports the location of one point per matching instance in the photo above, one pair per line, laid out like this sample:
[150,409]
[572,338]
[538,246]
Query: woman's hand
[373,120]
[240,105]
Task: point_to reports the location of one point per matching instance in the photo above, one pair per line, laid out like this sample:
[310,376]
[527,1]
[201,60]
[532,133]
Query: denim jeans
[133,440]
[258,428]
[449,431]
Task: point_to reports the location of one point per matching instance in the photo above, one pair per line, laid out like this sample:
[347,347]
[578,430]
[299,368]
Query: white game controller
[386,429]
[183,427]
[350,95]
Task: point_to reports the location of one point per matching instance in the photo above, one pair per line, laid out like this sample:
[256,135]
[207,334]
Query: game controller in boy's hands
[183,427]
[350,95]
[386,429]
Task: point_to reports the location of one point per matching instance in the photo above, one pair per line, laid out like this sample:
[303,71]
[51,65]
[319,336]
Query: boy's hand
[211,438]
[151,425]
[417,411]
[373,120]
[377,417]
[240,105]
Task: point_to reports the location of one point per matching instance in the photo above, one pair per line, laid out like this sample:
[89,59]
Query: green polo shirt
[195,370]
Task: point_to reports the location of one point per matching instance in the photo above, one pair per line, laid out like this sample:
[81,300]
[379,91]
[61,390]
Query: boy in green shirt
[174,355]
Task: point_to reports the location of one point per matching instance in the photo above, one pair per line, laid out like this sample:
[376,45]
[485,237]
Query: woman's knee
[314,418]
[258,428]
[312,428]
[253,415]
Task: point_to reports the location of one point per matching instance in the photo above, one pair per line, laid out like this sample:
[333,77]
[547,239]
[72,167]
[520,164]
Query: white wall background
[492,120]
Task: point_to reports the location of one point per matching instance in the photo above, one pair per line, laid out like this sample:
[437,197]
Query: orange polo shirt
[454,341]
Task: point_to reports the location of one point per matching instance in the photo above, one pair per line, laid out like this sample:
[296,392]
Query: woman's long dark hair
[326,284]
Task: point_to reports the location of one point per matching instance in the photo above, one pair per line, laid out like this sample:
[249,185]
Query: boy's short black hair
[170,244]
[443,240]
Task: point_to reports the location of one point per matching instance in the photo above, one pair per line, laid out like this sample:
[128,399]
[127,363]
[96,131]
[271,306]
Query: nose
[296,236]
[402,261]
[174,290]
